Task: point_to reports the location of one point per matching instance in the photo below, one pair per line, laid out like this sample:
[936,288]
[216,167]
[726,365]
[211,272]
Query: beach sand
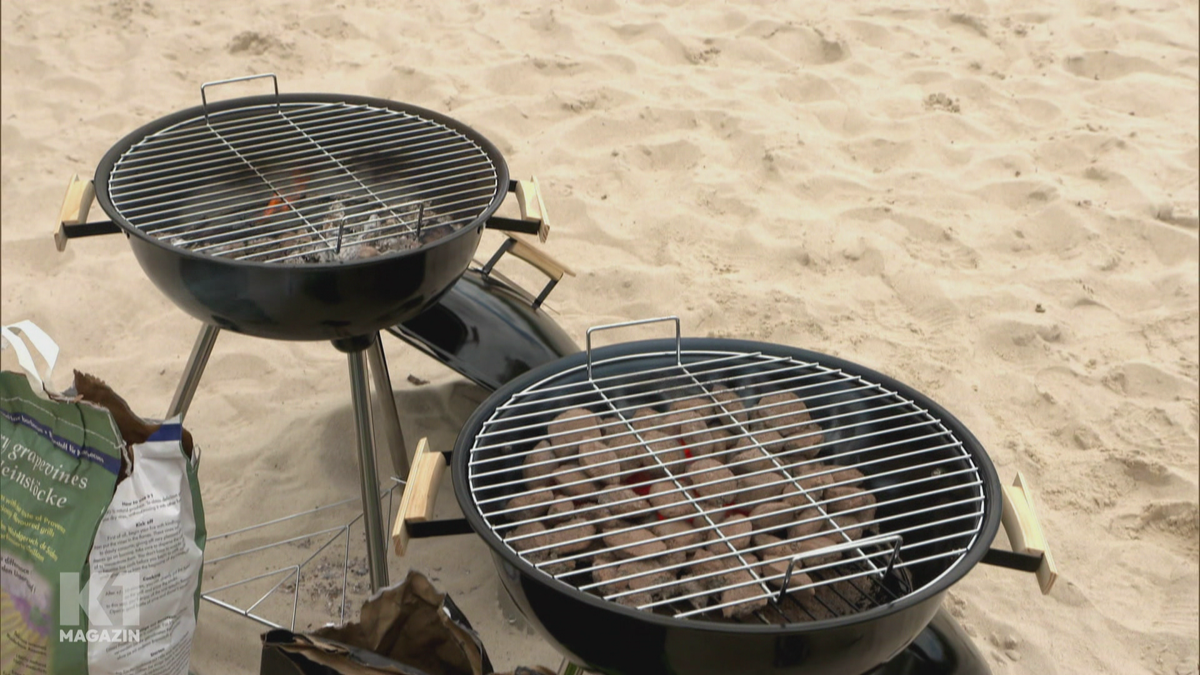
[993,201]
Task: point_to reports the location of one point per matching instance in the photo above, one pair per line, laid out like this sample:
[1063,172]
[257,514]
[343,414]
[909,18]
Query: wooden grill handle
[533,208]
[420,493]
[1024,530]
[538,258]
[76,204]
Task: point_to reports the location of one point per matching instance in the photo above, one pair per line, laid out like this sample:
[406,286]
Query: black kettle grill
[320,217]
[874,607]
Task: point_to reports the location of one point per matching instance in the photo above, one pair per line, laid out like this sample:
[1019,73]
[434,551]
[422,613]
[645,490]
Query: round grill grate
[714,484]
[297,181]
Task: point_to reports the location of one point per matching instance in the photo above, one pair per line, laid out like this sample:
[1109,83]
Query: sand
[993,201]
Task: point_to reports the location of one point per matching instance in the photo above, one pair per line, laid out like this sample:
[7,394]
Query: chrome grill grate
[302,182]
[928,497]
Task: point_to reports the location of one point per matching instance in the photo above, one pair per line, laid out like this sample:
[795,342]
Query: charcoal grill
[845,606]
[306,217]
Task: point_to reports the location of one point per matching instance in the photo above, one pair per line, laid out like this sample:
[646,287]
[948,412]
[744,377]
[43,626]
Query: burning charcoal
[611,426]
[790,415]
[705,562]
[671,503]
[625,502]
[849,498]
[634,544]
[559,512]
[615,524]
[794,496]
[578,425]
[816,544]
[847,477]
[850,524]
[805,522]
[401,242]
[573,538]
[746,593]
[757,442]
[775,571]
[635,600]
[572,481]
[681,533]
[713,482]
[535,475]
[761,486]
[705,574]
[599,462]
[654,577]
[729,403]
[432,234]
[648,419]
[734,531]
[813,478]
[531,505]
[527,543]
[750,461]
[775,547]
[691,431]
[769,440]
[720,442]
[700,407]
[803,446]
[661,450]
[771,516]
[630,451]
[671,558]
[604,572]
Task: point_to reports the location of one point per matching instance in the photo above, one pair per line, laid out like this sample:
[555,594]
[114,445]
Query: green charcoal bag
[59,463]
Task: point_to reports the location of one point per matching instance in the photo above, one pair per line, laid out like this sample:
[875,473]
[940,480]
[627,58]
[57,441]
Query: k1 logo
[111,613]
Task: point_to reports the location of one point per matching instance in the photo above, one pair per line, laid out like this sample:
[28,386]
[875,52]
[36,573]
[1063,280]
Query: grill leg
[201,350]
[372,520]
[387,404]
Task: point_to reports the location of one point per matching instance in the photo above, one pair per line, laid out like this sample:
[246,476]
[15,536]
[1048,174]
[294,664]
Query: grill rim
[109,161]
[987,470]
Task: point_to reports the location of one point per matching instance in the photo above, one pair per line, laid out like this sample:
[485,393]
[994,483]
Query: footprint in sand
[256,44]
[1108,65]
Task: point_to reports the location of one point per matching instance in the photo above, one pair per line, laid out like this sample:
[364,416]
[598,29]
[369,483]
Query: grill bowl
[608,637]
[308,301]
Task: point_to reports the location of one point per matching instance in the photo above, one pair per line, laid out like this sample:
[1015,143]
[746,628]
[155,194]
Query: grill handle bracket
[539,259]
[72,218]
[535,219]
[1030,552]
[206,85]
[627,324]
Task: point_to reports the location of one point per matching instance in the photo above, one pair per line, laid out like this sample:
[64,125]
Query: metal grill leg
[372,520]
[387,403]
[201,350]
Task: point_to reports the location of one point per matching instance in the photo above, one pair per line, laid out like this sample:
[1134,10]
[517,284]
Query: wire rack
[330,546]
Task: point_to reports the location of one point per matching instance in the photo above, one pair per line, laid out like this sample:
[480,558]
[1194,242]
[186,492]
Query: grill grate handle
[894,539]
[627,324]
[206,85]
